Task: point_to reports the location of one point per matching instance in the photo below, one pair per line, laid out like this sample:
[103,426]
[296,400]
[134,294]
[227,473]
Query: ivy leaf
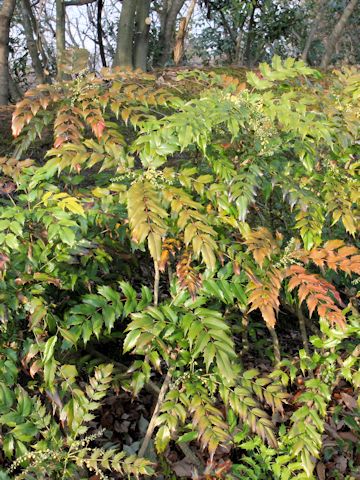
[162,438]
[67,235]
[130,340]
[68,335]
[24,432]
[49,348]
[255,81]
[187,437]
[11,241]
[154,241]
[307,462]
[8,447]
[109,317]
[74,206]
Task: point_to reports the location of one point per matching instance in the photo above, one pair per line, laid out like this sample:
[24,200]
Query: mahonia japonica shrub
[162,224]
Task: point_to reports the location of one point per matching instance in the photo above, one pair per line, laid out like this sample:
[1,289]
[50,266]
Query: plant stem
[308,323]
[312,327]
[170,274]
[244,336]
[156,283]
[276,344]
[152,424]
[303,332]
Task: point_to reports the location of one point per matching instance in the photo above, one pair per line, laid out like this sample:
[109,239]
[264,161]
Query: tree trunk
[26,15]
[239,55]
[100,35]
[6,13]
[125,36]
[314,28]
[142,33]
[16,94]
[232,36]
[337,31]
[179,41]
[168,17]
[250,36]
[238,59]
[181,34]
[60,37]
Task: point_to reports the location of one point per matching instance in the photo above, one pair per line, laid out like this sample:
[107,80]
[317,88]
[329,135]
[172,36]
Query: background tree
[142,33]
[245,33]
[125,35]
[181,34]
[337,31]
[100,31]
[30,29]
[315,24]
[168,11]
[133,34]
[142,29]
[6,13]
[60,36]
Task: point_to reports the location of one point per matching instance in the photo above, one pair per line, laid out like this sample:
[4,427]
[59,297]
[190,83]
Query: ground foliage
[184,232]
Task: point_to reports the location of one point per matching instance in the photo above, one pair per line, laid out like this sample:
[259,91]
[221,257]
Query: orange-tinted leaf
[98,128]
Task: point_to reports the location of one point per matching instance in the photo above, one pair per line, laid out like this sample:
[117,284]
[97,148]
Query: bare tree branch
[78,3]
[314,27]
[26,15]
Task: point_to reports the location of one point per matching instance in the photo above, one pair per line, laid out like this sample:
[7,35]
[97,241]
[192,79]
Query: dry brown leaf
[321,471]
[349,401]
[183,468]
[350,436]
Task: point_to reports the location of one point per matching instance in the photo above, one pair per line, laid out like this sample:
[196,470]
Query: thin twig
[152,424]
